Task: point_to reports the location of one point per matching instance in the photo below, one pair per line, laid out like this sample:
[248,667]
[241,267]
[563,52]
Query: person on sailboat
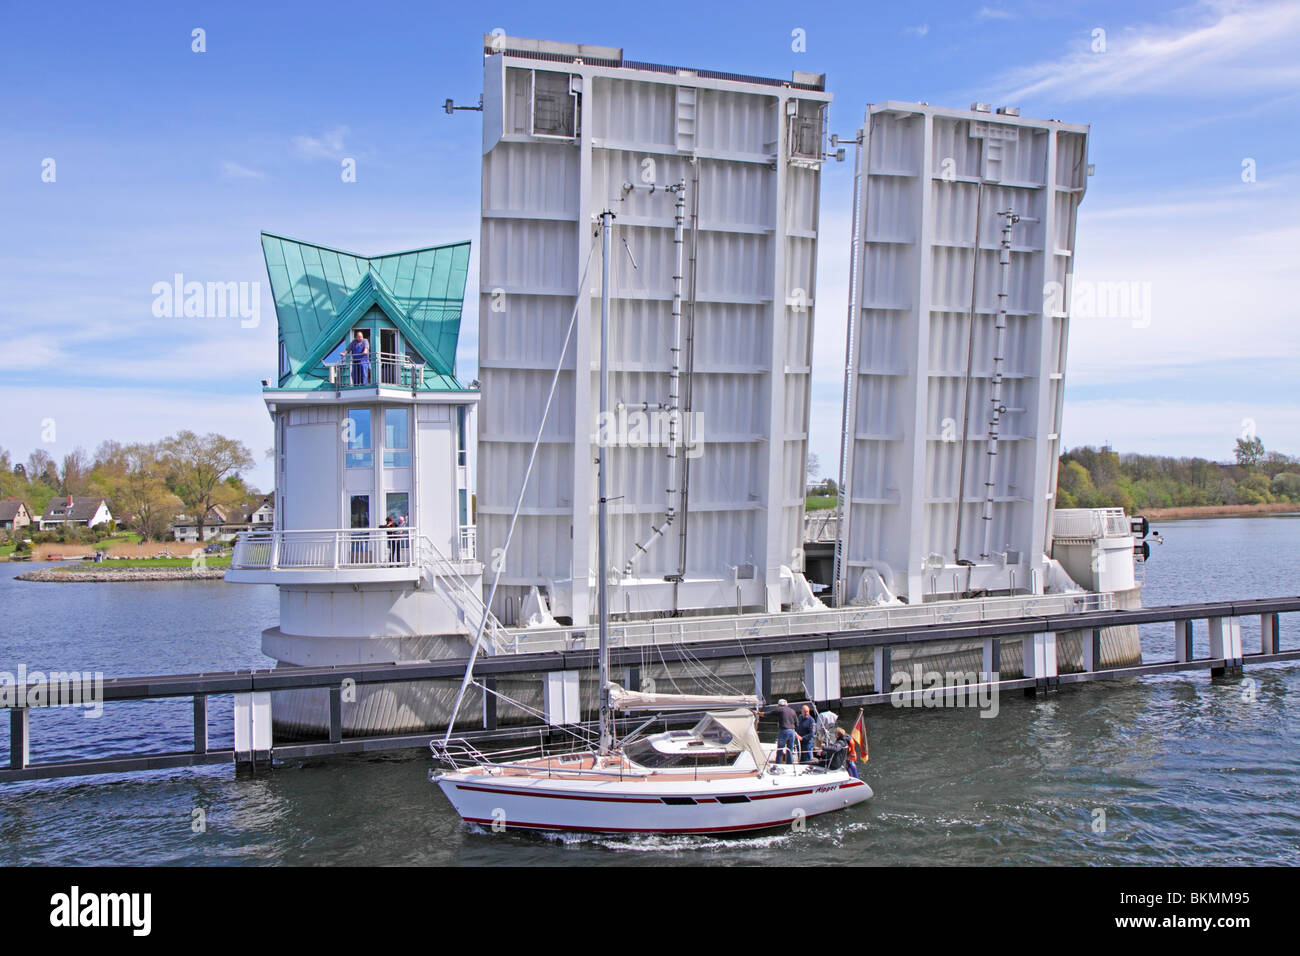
[804,728]
[787,741]
[835,754]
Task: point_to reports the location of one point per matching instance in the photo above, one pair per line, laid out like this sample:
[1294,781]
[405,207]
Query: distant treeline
[1101,478]
[146,484]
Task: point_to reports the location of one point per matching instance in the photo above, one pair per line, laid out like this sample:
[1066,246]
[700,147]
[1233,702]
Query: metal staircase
[445,577]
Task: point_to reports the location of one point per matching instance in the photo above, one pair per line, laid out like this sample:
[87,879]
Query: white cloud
[234,171]
[918,31]
[1224,48]
[87,416]
[1221,277]
[990,13]
[329,145]
[1221,267]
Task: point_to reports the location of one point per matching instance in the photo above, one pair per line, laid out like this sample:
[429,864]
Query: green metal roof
[322,293]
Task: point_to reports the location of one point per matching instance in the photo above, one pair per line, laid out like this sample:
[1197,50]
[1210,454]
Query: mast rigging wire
[523,487]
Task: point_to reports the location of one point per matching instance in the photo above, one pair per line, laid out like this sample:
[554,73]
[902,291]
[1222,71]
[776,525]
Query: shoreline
[108,576]
[1217,511]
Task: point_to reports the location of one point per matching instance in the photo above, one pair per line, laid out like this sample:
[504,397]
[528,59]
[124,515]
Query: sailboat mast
[602,442]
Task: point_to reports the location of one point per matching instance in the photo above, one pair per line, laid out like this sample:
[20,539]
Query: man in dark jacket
[804,727]
[836,753]
[786,738]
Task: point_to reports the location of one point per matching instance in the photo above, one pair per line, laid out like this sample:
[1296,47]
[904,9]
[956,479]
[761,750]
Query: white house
[14,514]
[76,511]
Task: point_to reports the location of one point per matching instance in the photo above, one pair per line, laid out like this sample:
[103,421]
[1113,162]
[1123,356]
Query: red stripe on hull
[556,796]
[574,829]
[574,796]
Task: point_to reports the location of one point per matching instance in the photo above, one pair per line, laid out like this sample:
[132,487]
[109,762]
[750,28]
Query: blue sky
[170,161]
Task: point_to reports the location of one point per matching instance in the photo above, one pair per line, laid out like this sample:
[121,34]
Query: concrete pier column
[991,658]
[1183,641]
[1270,634]
[883,677]
[763,678]
[1225,642]
[336,714]
[19,748]
[560,697]
[822,675]
[252,726]
[1092,650]
[1040,660]
[489,703]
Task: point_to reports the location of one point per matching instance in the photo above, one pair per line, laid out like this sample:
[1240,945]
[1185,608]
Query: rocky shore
[106,575]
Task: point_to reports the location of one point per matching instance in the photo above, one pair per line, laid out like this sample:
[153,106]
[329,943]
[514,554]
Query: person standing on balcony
[394,545]
[359,350]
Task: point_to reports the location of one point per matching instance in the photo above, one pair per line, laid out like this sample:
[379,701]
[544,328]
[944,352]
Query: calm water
[1186,770]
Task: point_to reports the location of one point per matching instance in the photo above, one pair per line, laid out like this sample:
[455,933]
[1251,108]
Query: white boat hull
[647,805]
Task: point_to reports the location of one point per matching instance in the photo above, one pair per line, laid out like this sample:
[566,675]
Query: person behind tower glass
[786,738]
[804,726]
[359,351]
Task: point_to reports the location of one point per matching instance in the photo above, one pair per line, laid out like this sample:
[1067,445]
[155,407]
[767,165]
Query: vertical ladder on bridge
[437,568]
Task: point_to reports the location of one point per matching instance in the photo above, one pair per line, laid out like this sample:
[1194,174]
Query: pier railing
[252,690]
[335,548]
[849,618]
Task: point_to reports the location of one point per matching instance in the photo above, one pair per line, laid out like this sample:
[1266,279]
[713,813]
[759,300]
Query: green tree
[1250,451]
[1286,485]
[143,496]
[199,466]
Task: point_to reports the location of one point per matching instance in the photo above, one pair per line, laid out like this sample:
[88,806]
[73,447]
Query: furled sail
[628,700]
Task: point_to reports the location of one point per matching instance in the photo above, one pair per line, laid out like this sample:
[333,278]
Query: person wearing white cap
[786,739]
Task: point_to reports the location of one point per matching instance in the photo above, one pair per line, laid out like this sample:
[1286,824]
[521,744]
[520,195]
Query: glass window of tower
[397,438]
[357,437]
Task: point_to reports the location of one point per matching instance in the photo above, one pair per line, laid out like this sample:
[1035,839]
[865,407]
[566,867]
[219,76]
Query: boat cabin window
[647,755]
[712,732]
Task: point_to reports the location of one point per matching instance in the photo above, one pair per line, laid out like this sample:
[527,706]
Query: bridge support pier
[763,679]
[252,727]
[1183,641]
[1225,642]
[560,697]
[490,703]
[200,723]
[1040,662]
[1270,634]
[19,748]
[991,659]
[881,671]
[822,676]
[1092,650]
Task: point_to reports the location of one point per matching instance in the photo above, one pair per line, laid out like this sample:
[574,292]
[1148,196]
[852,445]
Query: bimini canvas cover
[628,700]
[736,724]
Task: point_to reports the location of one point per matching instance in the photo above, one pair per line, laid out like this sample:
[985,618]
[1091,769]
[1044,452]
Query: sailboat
[715,778]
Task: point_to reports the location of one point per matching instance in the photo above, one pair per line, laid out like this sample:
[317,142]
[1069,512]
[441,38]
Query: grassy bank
[79,567]
[1217,511]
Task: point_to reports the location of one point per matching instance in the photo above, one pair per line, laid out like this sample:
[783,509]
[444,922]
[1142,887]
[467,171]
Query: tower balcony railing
[338,549]
[332,549]
[380,368]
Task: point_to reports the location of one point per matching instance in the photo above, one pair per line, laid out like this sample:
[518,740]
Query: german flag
[859,738]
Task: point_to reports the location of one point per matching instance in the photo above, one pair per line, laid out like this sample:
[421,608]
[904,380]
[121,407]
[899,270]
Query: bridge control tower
[373,548]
